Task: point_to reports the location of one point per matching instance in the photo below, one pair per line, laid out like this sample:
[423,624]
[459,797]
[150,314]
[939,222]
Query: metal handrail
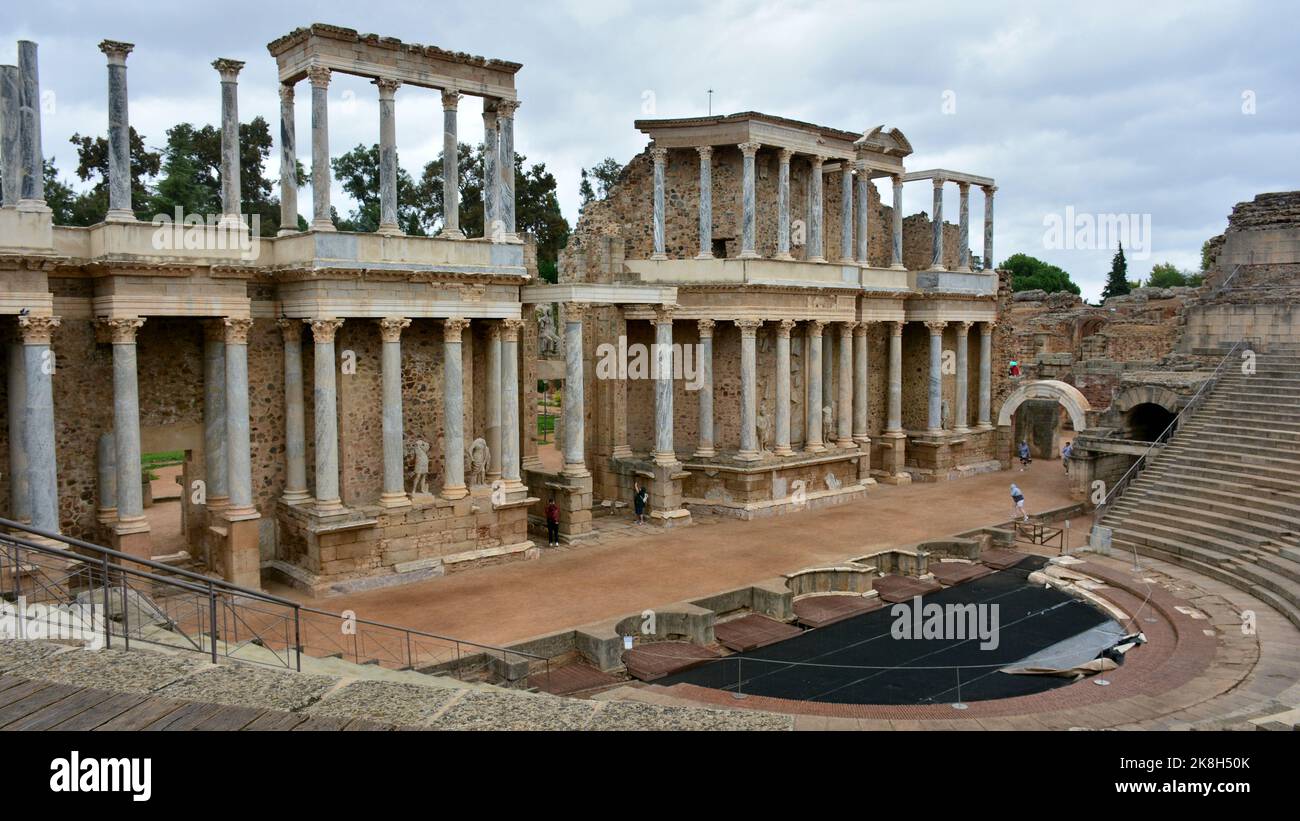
[1218,289]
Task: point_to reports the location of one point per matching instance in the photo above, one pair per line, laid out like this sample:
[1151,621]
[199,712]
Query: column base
[295,497]
[120,215]
[127,527]
[391,230]
[38,207]
[241,514]
[391,500]
[576,470]
[815,259]
[703,255]
[961,430]
[748,255]
[897,266]
[704,453]
[783,450]
[748,456]
[322,225]
[938,269]
[984,426]
[846,444]
[783,256]
[861,439]
[621,452]
[105,516]
[329,507]
[454,492]
[284,232]
[658,256]
[814,447]
[454,233]
[666,459]
[963,269]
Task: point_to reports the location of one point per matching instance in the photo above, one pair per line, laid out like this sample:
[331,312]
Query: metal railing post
[108,622]
[212,616]
[126,613]
[297,635]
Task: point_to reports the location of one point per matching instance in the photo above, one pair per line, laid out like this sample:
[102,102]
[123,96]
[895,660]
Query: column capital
[450,99]
[986,328]
[291,329]
[964,325]
[659,155]
[963,187]
[116,51]
[815,327]
[783,328]
[895,327]
[318,75]
[387,87]
[705,151]
[119,330]
[664,314]
[453,327]
[510,329]
[323,329]
[936,326]
[748,327]
[785,156]
[574,311]
[860,328]
[896,180]
[228,69]
[214,330]
[846,329]
[749,149]
[494,330]
[286,92]
[817,161]
[706,328]
[938,183]
[390,327]
[37,330]
[506,109]
[989,190]
[237,329]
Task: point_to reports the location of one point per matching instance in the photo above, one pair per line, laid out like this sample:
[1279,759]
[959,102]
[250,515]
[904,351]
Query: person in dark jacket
[639,499]
[552,523]
[1024,456]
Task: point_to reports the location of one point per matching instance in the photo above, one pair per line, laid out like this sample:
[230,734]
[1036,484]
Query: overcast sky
[1140,108]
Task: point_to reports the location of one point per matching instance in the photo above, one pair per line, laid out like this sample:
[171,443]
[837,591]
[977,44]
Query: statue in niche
[420,485]
[828,421]
[548,336]
[833,482]
[478,460]
[946,414]
[763,425]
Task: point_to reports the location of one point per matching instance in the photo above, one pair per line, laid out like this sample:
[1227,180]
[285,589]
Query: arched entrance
[1043,391]
[1146,411]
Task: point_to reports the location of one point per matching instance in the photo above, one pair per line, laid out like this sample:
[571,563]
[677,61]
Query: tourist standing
[1024,456]
[1066,453]
[639,499]
[552,523]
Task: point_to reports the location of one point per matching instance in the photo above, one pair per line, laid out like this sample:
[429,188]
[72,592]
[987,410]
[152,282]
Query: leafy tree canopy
[1030,273]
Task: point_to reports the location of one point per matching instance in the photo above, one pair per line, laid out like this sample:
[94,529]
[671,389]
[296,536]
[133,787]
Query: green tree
[1030,273]
[1117,283]
[358,171]
[1166,275]
[92,163]
[606,174]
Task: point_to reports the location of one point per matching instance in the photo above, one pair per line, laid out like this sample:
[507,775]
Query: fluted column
[38,422]
[816,250]
[295,423]
[506,130]
[705,393]
[934,418]
[510,474]
[936,241]
[493,228]
[783,205]
[664,453]
[453,404]
[659,156]
[11,142]
[896,237]
[32,187]
[119,139]
[846,211]
[20,499]
[748,389]
[288,163]
[126,427]
[494,402]
[216,468]
[388,156]
[575,414]
[748,206]
[319,76]
[706,202]
[864,210]
[844,414]
[961,418]
[781,446]
[860,374]
[394,493]
[230,190]
[963,228]
[622,449]
[239,455]
[989,263]
[813,404]
[894,418]
[986,375]
[450,167]
[325,404]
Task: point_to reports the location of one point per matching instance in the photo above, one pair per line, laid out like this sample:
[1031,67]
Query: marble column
[846,211]
[510,474]
[38,422]
[295,422]
[706,202]
[816,245]
[664,453]
[450,166]
[705,393]
[11,175]
[783,205]
[864,210]
[388,156]
[860,374]
[575,414]
[936,226]
[749,447]
[622,448]
[494,401]
[934,418]
[119,141]
[660,157]
[894,418]
[961,418]
[506,132]
[453,409]
[844,413]
[239,456]
[896,236]
[963,227]
[32,186]
[325,404]
[106,464]
[230,190]
[828,379]
[813,406]
[20,500]
[394,493]
[216,474]
[989,263]
[986,375]
[126,427]
[782,443]
[748,205]
[288,163]
[493,228]
[319,76]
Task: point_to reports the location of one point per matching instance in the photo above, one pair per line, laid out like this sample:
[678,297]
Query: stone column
[622,449]
[934,419]
[961,417]
[394,493]
[813,405]
[782,443]
[783,206]
[126,428]
[506,131]
[319,76]
[494,402]
[748,206]
[860,373]
[325,403]
[38,422]
[11,144]
[288,164]
[32,189]
[216,470]
[239,457]
[510,403]
[986,375]
[230,190]
[844,432]
[815,251]
[119,144]
[706,202]
[963,228]
[749,448]
[894,419]
[989,190]
[936,242]
[846,211]
[864,210]
[20,500]
[896,244]
[453,415]
[451,170]
[575,414]
[659,157]
[705,393]
[106,462]
[388,157]
[828,380]
[493,228]
[664,453]
[295,423]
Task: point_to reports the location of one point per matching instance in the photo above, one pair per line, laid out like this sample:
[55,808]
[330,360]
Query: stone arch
[1074,402]
[1131,397]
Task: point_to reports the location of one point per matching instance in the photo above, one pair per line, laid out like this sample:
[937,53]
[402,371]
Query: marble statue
[548,337]
[421,482]
[828,421]
[764,427]
[478,461]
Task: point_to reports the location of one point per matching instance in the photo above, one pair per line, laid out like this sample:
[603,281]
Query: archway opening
[1146,421]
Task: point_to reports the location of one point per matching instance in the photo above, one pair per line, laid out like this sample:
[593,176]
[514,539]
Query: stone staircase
[1223,496]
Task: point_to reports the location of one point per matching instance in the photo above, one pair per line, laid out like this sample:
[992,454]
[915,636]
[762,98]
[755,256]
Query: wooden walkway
[41,705]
